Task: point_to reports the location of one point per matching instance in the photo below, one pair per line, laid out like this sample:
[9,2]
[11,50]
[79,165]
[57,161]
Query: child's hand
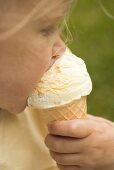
[82,144]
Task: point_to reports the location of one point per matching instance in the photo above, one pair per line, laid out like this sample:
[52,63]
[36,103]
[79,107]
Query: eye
[48,31]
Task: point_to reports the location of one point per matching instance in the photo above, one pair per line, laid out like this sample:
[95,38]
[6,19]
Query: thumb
[78,128]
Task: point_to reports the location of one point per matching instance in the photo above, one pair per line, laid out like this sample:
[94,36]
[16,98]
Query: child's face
[24,58]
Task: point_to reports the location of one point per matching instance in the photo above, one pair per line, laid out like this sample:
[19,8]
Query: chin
[17,108]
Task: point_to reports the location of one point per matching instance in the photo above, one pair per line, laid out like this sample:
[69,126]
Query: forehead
[52,11]
[25,6]
[38,9]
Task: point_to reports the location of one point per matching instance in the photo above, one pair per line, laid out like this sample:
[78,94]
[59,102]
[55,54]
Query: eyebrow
[52,20]
[47,21]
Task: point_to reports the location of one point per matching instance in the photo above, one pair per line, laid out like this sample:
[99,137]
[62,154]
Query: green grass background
[93,41]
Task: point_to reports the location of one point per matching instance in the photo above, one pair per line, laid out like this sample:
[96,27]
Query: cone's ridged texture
[74,110]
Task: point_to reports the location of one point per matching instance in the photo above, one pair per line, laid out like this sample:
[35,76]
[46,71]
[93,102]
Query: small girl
[29,45]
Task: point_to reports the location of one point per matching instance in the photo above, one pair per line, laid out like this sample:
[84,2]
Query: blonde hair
[106,12]
[65,31]
[34,14]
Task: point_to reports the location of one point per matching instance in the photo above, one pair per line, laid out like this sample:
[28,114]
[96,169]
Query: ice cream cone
[74,110]
[61,94]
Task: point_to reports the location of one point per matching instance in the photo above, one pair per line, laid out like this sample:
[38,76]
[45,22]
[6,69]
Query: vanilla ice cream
[66,81]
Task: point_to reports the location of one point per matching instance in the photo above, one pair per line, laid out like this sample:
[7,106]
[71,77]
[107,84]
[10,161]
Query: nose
[58,47]
[57,50]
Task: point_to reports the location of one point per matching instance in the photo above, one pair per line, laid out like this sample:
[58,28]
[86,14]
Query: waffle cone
[74,110]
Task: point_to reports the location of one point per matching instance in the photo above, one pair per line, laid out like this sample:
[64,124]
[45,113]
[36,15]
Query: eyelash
[48,31]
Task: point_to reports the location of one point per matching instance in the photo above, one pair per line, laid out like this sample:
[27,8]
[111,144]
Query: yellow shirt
[22,144]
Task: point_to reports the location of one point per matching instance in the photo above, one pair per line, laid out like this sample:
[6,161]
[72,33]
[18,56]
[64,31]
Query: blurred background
[93,40]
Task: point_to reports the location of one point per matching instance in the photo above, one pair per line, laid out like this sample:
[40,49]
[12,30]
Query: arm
[82,144]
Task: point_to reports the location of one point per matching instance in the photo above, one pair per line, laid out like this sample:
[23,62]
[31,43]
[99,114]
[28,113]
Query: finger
[62,167]
[67,159]
[96,118]
[77,128]
[56,143]
[99,119]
